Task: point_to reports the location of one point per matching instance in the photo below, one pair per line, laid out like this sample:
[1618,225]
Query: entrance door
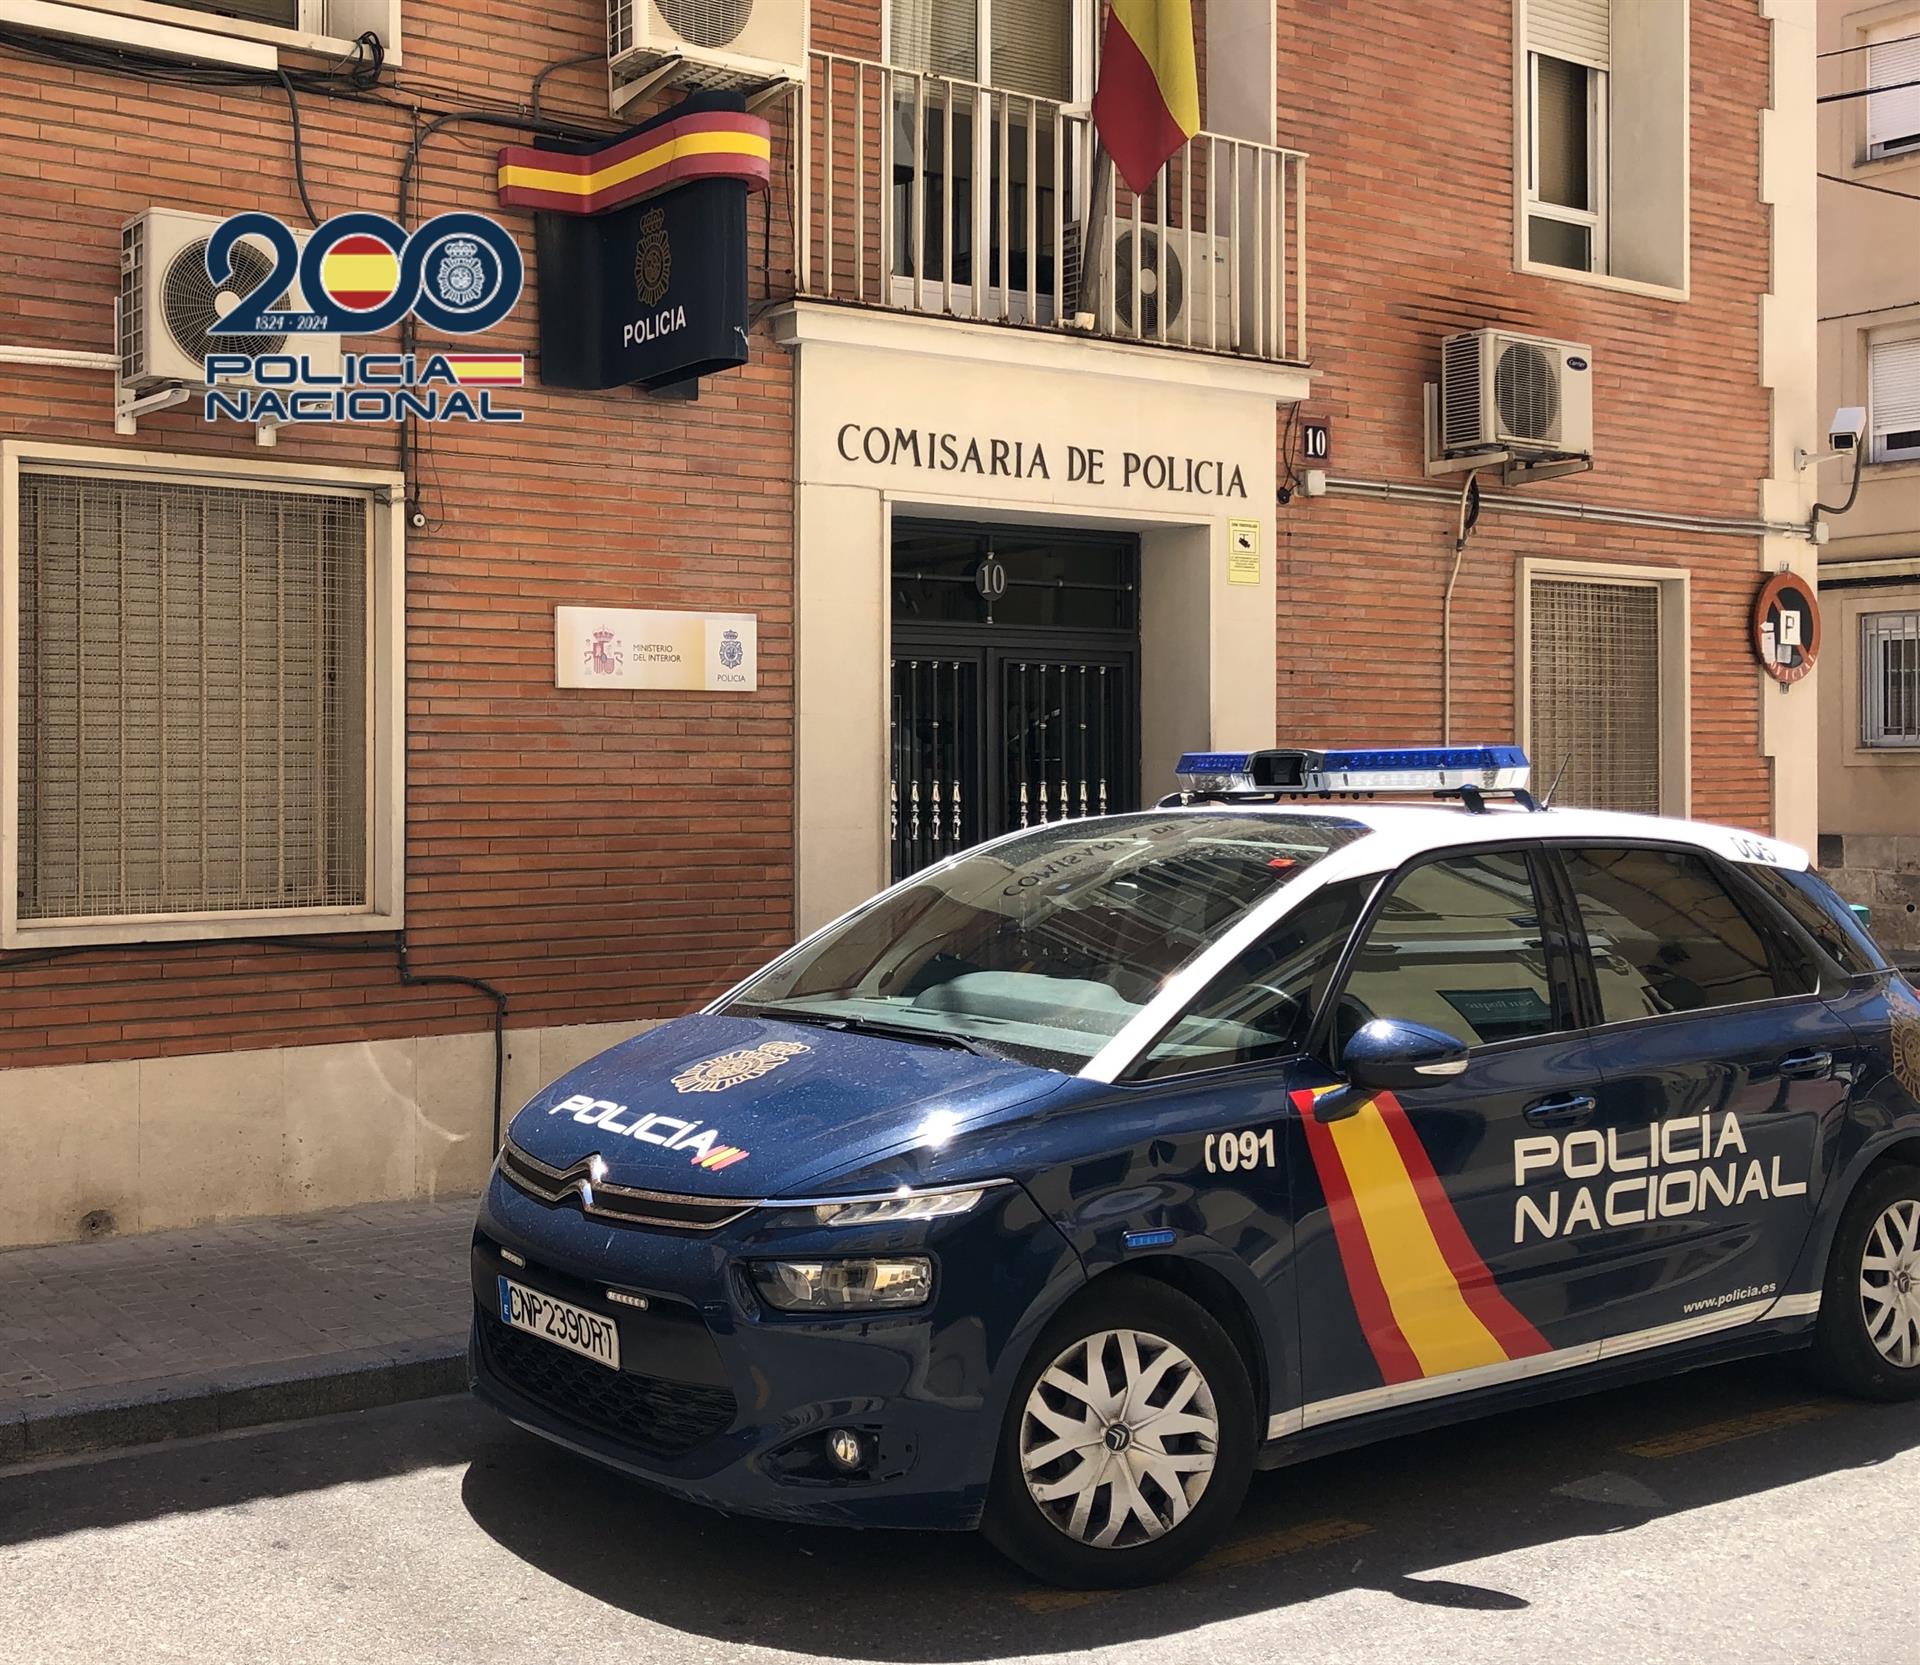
[1016,694]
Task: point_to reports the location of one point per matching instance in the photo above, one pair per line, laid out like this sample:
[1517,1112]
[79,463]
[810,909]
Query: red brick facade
[603,858]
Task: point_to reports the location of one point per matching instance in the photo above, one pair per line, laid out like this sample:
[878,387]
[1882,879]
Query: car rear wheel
[1129,1441]
[1868,1339]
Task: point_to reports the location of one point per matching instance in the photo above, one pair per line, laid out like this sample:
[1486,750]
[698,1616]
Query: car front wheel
[1868,1339]
[1129,1442]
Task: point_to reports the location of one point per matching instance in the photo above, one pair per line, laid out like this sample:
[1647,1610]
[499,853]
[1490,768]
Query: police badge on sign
[653,259]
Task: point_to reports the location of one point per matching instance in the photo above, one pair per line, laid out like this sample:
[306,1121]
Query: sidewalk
[180,1333]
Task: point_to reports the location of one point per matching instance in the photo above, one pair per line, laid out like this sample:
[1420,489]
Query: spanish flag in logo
[1148,102]
[1425,1299]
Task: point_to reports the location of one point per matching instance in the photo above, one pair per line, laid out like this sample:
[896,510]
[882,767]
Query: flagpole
[1094,273]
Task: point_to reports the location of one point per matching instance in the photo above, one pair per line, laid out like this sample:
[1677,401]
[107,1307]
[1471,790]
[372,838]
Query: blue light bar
[1355,769]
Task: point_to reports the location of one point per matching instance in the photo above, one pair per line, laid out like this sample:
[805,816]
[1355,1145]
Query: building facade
[1027,485]
[1870,358]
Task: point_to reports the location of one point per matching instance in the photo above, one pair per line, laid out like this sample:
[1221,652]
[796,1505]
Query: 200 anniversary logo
[360,274]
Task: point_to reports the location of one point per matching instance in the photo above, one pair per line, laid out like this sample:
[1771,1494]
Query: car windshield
[1043,947]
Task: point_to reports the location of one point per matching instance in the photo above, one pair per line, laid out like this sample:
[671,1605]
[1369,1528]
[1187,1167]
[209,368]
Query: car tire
[1867,1341]
[1133,1390]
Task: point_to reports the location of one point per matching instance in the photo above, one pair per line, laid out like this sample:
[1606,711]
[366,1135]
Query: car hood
[727,1106]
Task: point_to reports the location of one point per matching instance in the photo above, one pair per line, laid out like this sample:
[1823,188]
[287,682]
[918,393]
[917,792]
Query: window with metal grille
[283,12]
[1595,691]
[193,698]
[1890,679]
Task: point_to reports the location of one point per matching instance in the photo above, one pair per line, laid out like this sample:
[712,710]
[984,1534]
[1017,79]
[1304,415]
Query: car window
[1457,945]
[1819,911]
[1262,1004]
[1665,934]
[1045,946]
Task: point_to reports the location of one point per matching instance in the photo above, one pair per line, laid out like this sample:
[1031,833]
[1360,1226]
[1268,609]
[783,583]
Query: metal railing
[927,194]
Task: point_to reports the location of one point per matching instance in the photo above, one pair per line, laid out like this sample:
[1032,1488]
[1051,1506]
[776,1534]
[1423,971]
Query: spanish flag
[1148,102]
[1425,1299]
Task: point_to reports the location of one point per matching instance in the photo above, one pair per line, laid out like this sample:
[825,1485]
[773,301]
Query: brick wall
[597,857]
[588,854]
[1407,111]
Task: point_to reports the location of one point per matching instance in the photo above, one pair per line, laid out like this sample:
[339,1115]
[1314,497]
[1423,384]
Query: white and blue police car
[1066,1183]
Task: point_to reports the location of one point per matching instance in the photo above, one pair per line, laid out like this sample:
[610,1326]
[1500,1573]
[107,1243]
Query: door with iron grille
[1015,683]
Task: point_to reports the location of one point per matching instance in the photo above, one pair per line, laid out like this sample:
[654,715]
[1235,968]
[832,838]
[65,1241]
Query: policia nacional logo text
[1687,1165]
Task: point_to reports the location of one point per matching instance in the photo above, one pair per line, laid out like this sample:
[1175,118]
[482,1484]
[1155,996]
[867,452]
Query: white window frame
[1675,585]
[207,37]
[1595,218]
[930,287]
[1877,629]
[1880,35]
[386,698]
[1083,46]
[1878,450]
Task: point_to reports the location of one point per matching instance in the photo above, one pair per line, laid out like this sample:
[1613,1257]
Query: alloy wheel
[1890,1283]
[1119,1438]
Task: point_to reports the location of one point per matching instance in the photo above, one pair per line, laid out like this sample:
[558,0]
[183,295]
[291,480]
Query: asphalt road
[1729,1515]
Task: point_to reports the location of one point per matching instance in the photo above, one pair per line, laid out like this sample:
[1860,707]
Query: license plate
[560,1322]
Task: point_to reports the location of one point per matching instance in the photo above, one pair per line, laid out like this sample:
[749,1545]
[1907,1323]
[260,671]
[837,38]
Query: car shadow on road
[1391,1517]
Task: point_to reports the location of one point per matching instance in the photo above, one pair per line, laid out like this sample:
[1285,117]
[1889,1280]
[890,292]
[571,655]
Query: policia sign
[643,245]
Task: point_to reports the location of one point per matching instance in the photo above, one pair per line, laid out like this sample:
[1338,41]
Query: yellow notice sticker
[1243,552]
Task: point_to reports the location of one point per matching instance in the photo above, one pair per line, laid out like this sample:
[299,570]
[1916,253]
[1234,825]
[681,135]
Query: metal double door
[1026,730]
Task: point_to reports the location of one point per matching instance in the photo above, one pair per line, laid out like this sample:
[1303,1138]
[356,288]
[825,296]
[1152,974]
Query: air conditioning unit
[1201,298]
[168,303]
[708,43]
[1515,393]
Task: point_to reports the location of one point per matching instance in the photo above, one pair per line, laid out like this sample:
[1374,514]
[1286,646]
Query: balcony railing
[922,193]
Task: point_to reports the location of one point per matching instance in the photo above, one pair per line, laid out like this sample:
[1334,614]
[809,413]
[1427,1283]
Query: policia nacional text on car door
[1062,1185]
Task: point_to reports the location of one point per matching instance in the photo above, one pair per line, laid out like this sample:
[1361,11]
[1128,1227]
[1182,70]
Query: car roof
[1405,830]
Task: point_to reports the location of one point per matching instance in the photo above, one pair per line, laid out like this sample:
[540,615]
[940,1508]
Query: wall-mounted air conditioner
[168,303]
[707,43]
[1521,394]
[1188,285]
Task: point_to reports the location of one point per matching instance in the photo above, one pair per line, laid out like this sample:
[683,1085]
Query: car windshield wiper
[879,1026]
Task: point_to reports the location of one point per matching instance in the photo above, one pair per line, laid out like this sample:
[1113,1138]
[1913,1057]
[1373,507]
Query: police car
[1066,1183]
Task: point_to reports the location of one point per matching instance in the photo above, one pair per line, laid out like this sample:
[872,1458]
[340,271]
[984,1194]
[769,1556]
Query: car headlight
[903,1205]
[844,1285]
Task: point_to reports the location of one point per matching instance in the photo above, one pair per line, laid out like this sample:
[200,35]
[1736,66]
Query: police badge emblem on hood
[735,1106]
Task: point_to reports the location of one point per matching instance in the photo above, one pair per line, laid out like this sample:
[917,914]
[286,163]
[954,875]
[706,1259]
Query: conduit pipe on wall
[60,358]
[1398,491]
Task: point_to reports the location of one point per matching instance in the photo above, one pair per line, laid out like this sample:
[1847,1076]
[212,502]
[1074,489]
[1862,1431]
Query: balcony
[920,193]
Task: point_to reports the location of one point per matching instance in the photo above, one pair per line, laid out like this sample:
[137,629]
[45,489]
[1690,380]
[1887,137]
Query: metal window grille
[283,12]
[1890,679]
[193,698]
[1595,692]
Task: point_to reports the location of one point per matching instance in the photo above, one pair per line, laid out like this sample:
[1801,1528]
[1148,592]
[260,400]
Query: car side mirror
[1387,1056]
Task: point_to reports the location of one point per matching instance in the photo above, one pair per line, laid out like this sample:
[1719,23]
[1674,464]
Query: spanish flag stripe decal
[720,145]
[1507,1324]
[1403,1243]
[1390,1350]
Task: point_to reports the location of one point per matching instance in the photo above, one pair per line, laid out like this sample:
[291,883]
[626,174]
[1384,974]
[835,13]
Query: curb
[184,1407]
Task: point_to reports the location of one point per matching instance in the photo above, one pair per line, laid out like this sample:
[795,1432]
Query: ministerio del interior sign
[625,647]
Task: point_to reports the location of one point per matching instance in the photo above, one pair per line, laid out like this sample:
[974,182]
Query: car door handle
[1559,1111]
[1809,1065]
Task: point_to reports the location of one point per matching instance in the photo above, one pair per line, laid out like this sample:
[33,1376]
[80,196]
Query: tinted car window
[1457,945]
[1820,912]
[1666,935]
[1262,1004]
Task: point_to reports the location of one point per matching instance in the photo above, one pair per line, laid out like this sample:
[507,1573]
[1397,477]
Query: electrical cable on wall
[1469,518]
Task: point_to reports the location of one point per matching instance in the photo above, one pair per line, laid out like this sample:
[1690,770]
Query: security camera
[1849,423]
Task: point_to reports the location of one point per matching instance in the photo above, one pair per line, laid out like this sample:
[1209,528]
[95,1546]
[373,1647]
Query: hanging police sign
[643,245]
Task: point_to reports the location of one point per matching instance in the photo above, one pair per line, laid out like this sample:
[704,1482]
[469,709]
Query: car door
[1410,1282]
[1685,1199]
